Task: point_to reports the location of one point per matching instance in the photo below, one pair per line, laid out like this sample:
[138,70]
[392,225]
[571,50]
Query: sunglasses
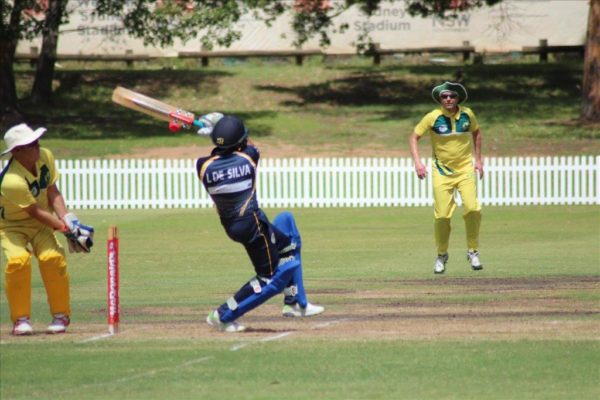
[35,143]
[29,145]
[449,96]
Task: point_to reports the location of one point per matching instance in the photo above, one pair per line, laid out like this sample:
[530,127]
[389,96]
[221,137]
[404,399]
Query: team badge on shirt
[44,177]
[34,188]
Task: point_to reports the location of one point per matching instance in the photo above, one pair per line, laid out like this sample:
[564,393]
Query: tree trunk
[8,89]
[8,45]
[590,109]
[44,74]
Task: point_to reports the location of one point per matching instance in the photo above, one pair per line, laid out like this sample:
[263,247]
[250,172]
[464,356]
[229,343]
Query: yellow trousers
[444,206]
[20,240]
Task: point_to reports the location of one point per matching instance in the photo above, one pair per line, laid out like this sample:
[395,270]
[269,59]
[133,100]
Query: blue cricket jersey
[230,180]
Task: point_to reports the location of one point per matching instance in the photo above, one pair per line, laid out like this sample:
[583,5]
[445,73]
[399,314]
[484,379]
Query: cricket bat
[176,117]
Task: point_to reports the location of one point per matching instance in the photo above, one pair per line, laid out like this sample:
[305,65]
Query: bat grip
[182,117]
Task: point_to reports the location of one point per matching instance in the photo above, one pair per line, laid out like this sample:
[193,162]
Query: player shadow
[249,329]
[394,87]
[358,89]
[105,118]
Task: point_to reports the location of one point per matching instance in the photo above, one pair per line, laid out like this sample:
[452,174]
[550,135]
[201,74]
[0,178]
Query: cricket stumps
[113,280]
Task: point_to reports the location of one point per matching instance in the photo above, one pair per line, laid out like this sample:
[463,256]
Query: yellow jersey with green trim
[451,138]
[20,189]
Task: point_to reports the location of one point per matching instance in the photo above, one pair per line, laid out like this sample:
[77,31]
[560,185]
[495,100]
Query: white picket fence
[326,182]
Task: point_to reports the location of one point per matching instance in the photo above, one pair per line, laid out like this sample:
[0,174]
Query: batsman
[229,176]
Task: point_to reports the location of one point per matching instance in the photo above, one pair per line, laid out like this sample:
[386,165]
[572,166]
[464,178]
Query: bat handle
[175,126]
[182,117]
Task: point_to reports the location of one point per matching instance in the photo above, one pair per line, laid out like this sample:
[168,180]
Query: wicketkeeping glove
[73,245]
[80,237]
[79,244]
[208,122]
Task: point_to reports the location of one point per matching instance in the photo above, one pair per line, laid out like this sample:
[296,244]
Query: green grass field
[526,327]
[322,108]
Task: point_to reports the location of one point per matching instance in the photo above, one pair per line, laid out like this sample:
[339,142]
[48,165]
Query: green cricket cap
[449,87]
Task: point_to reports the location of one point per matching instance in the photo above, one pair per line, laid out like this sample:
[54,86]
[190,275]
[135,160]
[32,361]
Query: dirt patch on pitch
[563,308]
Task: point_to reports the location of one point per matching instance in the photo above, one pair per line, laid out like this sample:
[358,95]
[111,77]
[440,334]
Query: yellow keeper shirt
[20,189]
[451,138]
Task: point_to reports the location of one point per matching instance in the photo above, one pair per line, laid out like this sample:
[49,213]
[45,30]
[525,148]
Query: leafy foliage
[316,17]
[213,22]
[445,8]
[31,17]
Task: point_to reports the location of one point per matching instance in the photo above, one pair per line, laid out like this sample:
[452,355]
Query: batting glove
[208,122]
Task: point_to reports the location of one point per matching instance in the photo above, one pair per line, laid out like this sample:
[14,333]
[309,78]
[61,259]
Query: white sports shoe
[22,327]
[440,263]
[213,320]
[59,324]
[473,259]
[297,311]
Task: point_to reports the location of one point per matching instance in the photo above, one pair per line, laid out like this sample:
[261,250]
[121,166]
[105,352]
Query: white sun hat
[20,135]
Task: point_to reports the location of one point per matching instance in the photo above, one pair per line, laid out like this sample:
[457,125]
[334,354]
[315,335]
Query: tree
[55,14]
[28,19]
[590,105]
[9,36]
[157,22]
[315,17]
[161,22]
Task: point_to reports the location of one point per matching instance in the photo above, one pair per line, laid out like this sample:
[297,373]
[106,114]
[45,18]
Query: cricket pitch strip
[446,308]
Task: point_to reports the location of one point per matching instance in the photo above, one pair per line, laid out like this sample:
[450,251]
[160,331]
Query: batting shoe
[440,263]
[59,324]
[297,311]
[22,327]
[473,259]
[230,327]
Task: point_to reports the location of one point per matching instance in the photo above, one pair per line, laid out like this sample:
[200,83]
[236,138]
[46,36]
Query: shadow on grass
[83,109]
[536,90]
[83,99]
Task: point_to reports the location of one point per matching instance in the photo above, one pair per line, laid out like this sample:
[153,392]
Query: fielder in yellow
[456,140]
[31,209]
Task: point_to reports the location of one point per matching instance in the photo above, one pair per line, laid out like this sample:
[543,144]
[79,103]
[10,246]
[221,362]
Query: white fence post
[326,182]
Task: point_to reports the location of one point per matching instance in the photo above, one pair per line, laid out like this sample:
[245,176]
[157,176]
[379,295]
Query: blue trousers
[286,275]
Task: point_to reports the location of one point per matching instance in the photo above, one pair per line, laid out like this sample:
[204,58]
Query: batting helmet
[229,133]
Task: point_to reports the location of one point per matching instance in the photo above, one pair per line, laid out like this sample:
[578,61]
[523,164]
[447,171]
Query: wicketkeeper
[455,139]
[31,209]
[229,176]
